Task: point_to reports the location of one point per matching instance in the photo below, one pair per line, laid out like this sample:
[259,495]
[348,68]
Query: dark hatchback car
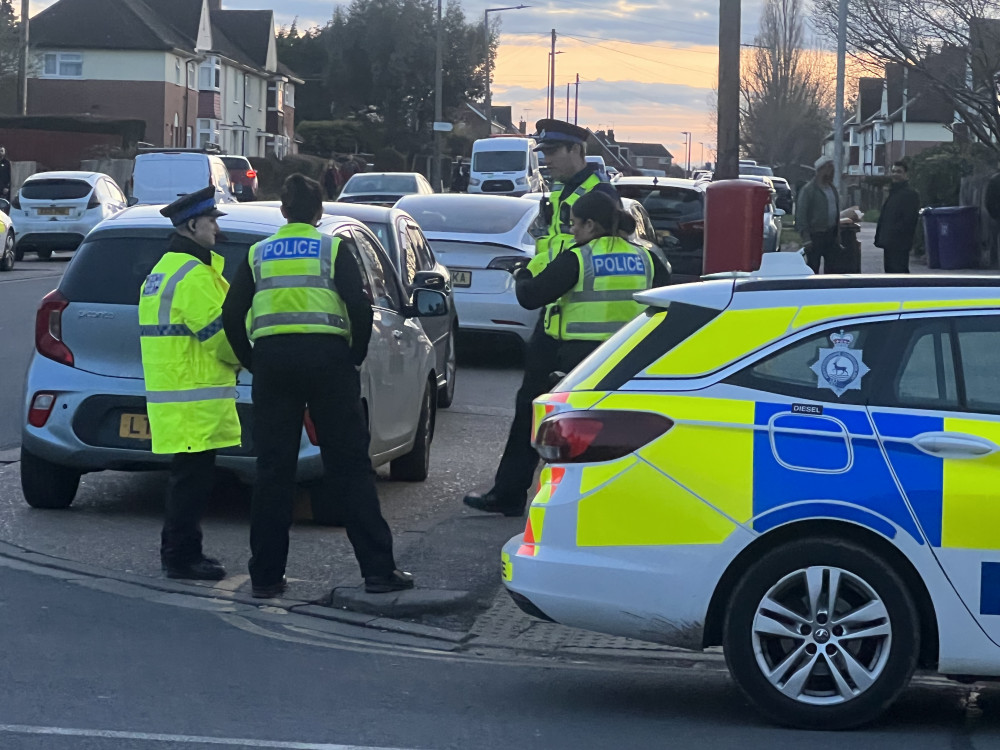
[243,177]
[676,208]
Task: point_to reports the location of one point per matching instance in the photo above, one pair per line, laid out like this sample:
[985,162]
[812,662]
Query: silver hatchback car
[85,407]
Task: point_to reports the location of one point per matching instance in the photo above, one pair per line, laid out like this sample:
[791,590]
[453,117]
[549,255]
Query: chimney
[611,135]
[522,126]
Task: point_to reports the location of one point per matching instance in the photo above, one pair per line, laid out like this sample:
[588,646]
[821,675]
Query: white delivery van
[505,165]
[162,176]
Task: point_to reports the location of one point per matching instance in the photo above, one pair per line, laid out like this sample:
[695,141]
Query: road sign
[444,127]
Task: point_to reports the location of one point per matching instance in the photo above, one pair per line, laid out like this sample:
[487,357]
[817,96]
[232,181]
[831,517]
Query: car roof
[66,175]
[650,181]
[361,211]
[247,217]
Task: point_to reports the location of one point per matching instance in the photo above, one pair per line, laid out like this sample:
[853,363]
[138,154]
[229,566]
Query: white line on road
[31,278]
[178,738]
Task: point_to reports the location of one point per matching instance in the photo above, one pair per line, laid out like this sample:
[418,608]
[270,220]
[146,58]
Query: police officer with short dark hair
[310,322]
[565,148]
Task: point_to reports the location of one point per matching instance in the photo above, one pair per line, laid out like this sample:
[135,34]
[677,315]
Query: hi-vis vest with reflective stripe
[611,271]
[295,289]
[189,367]
[559,236]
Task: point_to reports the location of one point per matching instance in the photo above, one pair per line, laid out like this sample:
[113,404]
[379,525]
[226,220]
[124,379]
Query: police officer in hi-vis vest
[190,373]
[564,147]
[310,323]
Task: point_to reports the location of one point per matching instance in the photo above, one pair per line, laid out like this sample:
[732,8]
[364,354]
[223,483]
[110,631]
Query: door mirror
[429,303]
[428,280]
[5,206]
[132,200]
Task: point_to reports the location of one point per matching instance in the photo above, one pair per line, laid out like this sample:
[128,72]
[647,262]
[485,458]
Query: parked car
[419,268]
[160,176]
[56,210]
[242,177]
[783,199]
[677,209]
[8,240]
[755,169]
[482,239]
[772,226]
[84,397]
[383,188]
[789,472]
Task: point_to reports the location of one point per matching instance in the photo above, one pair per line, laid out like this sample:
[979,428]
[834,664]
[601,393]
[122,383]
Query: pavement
[454,553]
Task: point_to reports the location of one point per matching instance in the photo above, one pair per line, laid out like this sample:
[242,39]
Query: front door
[938,420]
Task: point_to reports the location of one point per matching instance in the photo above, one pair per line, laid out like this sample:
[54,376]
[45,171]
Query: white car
[481,239]
[163,175]
[56,210]
[84,400]
[7,239]
[383,188]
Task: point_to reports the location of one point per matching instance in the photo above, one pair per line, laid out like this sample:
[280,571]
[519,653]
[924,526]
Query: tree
[10,42]
[305,53]
[786,99]
[938,40]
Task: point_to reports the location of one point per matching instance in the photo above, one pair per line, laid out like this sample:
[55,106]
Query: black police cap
[558,133]
[191,206]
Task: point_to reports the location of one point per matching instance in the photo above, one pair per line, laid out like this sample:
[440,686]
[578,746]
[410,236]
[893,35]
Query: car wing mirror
[5,206]
[132,200]
[428,303]
[428,280]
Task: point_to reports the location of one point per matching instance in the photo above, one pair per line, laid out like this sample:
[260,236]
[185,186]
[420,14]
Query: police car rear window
[109,267]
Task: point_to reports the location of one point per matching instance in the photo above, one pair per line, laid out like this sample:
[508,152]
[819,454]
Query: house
[195,73]
[636,154]
[470,121]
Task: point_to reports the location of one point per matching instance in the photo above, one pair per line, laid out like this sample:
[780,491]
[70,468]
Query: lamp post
[488,107]
[438,114]
[687,150]
[23,77]
[702,144]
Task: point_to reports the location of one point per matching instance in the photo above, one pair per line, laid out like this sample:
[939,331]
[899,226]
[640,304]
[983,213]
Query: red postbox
[734,225]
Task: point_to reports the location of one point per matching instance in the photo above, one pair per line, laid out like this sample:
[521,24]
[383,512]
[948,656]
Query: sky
[647,67]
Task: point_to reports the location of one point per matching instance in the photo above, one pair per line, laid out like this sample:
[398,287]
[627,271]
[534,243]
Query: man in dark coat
[898,221]
[5,174]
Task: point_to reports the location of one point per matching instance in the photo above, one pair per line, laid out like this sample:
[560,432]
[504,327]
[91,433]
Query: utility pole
[552,77]
[838,120]
[576,105]
[567,100]
[438,107]
[728,151]
[22,88]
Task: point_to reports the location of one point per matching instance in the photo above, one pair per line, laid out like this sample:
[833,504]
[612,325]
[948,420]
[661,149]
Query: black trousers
[826,247]
[896,259]
[543,356]
[188,490]
[290,373]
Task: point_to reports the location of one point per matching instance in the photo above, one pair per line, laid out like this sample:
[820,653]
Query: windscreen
[110,267]
[666,203]
[382,183]
[53,190]
[499,161]
[756,170]
[235,162]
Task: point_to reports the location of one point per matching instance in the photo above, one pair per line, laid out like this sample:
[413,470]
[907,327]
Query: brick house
[195,73]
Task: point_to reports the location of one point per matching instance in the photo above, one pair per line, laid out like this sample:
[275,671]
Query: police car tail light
[48,328]
[592,436]
[41,408]
[310,428]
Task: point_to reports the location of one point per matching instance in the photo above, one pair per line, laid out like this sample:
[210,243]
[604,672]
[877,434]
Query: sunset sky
[647,67]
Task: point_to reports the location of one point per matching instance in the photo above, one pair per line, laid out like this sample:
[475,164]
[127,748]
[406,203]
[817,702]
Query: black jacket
[898,220]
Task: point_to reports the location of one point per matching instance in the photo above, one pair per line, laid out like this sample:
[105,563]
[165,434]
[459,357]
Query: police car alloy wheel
[7,254]
[821,634]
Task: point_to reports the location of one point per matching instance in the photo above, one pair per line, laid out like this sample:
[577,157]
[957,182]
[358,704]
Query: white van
[505,165]
[162,176]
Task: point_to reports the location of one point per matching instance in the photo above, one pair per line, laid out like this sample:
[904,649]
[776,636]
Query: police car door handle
[954,445]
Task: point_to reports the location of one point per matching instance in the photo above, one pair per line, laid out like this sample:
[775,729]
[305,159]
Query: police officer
[564,146]
[310,323]
[190,373]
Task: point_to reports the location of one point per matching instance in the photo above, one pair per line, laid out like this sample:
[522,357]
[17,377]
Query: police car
[801,469]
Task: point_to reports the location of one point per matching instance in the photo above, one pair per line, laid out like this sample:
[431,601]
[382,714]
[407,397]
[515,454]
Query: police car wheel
[45,484]
[821,634]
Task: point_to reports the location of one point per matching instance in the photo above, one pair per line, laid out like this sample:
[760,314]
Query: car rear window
[468,216]
[666,203]
[235,162]
[380,183]
[53,189]
[109,267]
[499,161]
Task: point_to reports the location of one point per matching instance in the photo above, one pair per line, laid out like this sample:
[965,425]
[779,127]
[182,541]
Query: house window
[208,132]
[209,74]
[62,65]
[289,95]
[880,134]
[854,137]
[192,76]
[638,161]
[177,71]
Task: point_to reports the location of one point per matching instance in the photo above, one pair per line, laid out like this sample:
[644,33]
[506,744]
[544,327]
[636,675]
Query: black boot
[205,569]
[397,580]
[493,502]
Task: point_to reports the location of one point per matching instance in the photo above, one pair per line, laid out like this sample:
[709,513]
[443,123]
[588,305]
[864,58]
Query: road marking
[179,738]
[31,278]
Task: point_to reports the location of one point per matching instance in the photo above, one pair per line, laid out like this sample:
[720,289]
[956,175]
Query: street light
[488,108]
[687,149]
